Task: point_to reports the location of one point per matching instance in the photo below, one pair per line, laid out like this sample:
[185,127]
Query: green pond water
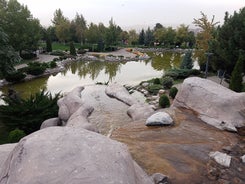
[86,73]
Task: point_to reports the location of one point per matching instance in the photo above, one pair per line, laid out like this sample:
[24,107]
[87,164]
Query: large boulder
[79,119]
[120,93]
[215,104]
[140,111]
[5,149]
[70,103]
[67,155]
[50,122]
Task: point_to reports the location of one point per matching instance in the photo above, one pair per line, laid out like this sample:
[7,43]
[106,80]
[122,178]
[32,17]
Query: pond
[86,73]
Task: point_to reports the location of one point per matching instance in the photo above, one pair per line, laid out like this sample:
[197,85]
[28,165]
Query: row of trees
[21,31]
[77,30]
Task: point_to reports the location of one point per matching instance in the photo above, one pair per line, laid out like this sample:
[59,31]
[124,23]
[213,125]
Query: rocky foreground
[177,142]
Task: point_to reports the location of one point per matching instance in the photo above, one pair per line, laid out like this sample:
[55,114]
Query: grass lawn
[62,46]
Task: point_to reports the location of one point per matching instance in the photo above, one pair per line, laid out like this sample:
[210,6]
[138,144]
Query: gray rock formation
[50,122]
[70,103]
[159,119]
[215,104]
[79,119]
[243,158]
[140,111]
[67,155]
[5,150]
[159,178]
[221,158]
[119,92]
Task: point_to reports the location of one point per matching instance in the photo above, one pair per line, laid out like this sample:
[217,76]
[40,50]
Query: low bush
[28,114]
[16,135]
[167,82]
[154,88]
[173,91]
[164,101]
[81,51]
[36,68]
[182,73]
[57,53]
[52,64]
[28,55]
[16,76]
[157,81]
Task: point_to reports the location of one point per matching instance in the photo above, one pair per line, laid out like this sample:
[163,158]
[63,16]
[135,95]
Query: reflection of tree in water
[165,61]
[93,69]
[90,68]
[111,68]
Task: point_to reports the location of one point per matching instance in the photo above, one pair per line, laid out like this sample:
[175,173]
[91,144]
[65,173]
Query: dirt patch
[181,151]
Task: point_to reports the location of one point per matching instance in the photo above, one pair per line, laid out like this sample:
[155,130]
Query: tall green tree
[236,76]
[8,56]
[112,33]
[204,37]
[18,23]
[229,40]
[187,62]
[62,26]
[142,37]
[78,28]
[149,37]
[132,37]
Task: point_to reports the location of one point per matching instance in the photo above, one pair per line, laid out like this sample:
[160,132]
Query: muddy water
[181,151]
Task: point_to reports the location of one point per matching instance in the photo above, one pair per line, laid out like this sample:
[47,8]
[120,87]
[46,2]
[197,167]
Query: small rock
[227,149]
[243,158]
[161,92]
[159,178]
[221,158]
[159,119]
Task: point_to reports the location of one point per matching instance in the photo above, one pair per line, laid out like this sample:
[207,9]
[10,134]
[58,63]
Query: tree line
[20,31]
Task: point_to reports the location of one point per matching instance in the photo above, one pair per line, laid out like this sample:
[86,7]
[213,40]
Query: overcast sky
[134,13]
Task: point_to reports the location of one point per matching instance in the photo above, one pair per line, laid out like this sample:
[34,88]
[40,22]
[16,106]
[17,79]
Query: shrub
[72,49]
[81,51]
[187,62]
[53,64]
[16,135]
[36,70]
[28,54]
[57,53]
[157,81]
[236,75]
[167,82]
[28,114]
[182,73]
[154,88]
[15,76]
[172,92]
[164,101]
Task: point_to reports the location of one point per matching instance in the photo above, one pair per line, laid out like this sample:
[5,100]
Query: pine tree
[48,44]
[187,62]
[72,49]
[236,76]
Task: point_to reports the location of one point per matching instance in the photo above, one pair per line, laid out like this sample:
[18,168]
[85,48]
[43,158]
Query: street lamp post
[208,57]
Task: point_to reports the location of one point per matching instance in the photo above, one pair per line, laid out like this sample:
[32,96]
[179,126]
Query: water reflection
[86,73]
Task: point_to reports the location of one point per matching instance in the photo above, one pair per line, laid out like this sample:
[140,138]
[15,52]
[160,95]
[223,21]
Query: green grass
[62,46]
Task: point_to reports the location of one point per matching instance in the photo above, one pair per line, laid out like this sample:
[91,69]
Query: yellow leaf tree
[204,37]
